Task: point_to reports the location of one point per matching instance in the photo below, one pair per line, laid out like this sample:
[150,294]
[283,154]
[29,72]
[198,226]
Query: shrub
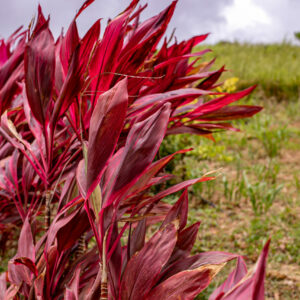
[82,120]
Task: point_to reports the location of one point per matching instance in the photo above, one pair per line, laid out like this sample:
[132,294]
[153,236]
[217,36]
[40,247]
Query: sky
[254,21]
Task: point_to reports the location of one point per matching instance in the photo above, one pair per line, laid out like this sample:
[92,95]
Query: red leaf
[149,100]
[171,190]
[2,285]
[26,252]
[145,36]
[188,129]
[68,45]
[197,261]
[11,88]
[185,242]
[143,269]
[251,286]
[233,279]
[25,243]
[178,211]
[39,65]
[71,291]
[184,285]
[232,112]
[106,124]
[81,178]
[41,22]
[137,239]
[7,69]
[115,264]
[71,86]
[104,62]
[142,144]
[218,103]
[144,180]
[39,286]
[28,263]
[90,39]
[211,80]
[84,6]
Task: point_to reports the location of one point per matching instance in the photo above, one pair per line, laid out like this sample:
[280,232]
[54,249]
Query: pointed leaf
[178,211]
[196,261]
[141,147]
[233,279]
[72,290]
[251,287]
[106,124]
[171,190]
[185,285]
[185,242]
[39,65]
[143,268]
[137,239]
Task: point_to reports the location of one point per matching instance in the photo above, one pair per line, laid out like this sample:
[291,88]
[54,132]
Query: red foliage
[82,120]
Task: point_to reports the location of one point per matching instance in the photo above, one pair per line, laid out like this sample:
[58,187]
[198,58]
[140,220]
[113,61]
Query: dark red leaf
[107,122]
[39,65]
[28,263]
[251,286]
[72,290]
[84,6]
[141,147]
[137,239]
[233,279]
[197,261]
[184,285]
[232,112]
[178,211]
[171,190]
[143,269]
[218,103]
[185,242]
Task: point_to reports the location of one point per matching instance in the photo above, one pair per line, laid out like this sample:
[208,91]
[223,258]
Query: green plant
[297,35]
[260,194]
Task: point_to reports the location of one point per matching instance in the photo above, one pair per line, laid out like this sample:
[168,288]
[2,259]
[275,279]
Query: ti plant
[82,120]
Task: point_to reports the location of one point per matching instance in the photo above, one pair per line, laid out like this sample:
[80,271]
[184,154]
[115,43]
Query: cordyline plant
[82,120]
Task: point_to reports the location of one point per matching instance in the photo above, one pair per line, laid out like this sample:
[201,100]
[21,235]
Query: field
[256,193]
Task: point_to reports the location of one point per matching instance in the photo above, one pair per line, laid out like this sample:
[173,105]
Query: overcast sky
[242,20]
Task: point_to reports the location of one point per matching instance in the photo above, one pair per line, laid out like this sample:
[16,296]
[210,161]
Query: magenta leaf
[21,267]
[72,290]
[251,286]
[143,268]
[141,147]
[179,211]
[107,122]
[39,64]
[184,285]
[197,261]
[233,279]
[185,242]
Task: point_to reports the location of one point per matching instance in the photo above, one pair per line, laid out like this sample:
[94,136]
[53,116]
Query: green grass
[256,195]
[275,67]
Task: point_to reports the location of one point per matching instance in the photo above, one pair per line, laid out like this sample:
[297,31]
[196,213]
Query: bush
[82,120]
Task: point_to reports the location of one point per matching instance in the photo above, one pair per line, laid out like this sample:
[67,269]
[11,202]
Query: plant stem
[104,291]
[47,209]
